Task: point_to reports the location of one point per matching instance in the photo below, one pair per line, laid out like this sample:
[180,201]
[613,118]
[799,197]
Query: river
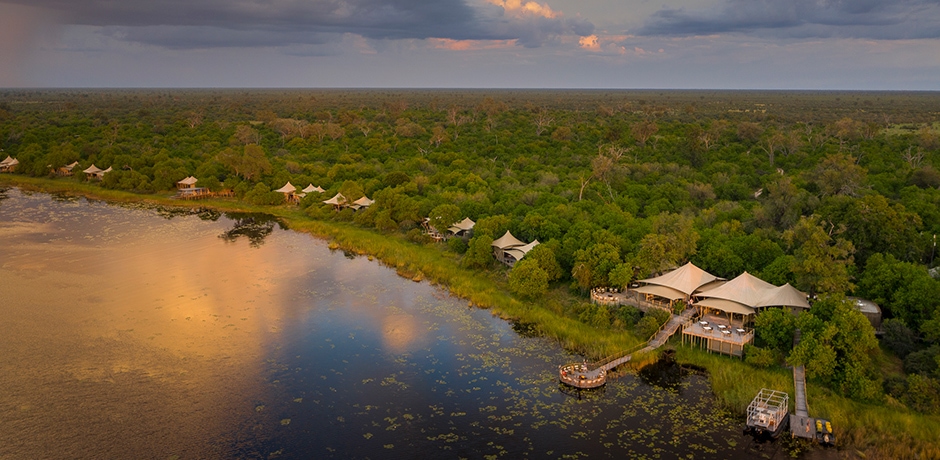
[130,331]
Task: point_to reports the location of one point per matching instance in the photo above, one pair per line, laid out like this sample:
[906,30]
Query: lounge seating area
[718,333]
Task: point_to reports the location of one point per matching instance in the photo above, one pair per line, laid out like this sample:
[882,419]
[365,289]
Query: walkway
[598,370]
[801,424]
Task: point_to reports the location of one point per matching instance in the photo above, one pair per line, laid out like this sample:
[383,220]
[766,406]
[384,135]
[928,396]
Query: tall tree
[821,262]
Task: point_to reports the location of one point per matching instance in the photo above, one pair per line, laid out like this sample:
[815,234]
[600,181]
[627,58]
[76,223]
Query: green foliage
[458,245]
[760,357]
[628,316]
[922,394]
[443,216]
[898,338]
[528,280]
[592,265]
[836,346]
[903,290]
[595,315]
[821,263]
[544,256]
[774,328]
[923,362]
[480,252]
[262,194]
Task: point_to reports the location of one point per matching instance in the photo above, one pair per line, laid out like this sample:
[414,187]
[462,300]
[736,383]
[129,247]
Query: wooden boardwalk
[597,371]
[801,424]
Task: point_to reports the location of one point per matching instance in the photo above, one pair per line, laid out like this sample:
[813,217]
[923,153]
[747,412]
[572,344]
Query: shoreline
[865,430]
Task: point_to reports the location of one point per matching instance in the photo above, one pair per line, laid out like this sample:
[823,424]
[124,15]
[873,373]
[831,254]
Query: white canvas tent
[310,188]
[462,227]
[287,189]
[677,284]
[746,293]
[509,250]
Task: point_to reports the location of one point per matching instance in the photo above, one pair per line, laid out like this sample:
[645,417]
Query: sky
[681,44]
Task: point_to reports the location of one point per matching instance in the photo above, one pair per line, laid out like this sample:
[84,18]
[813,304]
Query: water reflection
[254,227]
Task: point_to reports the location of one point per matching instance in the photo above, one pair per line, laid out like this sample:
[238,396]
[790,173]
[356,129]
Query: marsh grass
[876,431]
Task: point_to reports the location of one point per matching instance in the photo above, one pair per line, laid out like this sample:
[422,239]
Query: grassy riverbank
[871,431]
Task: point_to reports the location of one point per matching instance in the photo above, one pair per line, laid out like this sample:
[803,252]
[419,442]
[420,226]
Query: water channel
[136,332]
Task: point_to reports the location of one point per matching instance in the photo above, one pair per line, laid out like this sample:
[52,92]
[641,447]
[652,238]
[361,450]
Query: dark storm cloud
[877,19]
[246,23]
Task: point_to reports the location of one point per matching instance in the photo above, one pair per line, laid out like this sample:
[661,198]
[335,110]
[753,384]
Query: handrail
[638,347]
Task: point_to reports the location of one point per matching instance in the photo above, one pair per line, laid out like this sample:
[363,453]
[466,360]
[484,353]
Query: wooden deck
[717,334]
[595,374]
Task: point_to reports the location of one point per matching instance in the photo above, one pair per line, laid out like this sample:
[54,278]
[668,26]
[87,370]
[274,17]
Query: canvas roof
[464,225]
[287,188]
[507,241]
[9,161]
[311,188]
[685,279]
[105,171]
[337,200]
[74,164]
[784,296]
[188,181]
[728,306]
[661,291]
[364,201]
[746,289]
[525,249]
[92,170]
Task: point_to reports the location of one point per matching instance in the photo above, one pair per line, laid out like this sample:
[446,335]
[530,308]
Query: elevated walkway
[594,374]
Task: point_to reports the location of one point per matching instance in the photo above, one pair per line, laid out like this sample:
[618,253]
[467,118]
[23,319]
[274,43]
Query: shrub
[759,357]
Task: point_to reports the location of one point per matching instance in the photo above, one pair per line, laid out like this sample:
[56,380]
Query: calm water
[129,332]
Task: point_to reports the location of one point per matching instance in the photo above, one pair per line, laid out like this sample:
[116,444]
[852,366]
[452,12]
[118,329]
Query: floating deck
[767,413]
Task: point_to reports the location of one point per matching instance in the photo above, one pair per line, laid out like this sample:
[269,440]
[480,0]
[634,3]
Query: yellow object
[828,427]
[818,425]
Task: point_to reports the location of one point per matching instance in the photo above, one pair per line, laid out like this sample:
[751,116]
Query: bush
[417,236]
[628,316]
[595,315]
[528,280]
[759,357]
[457,245]
[898,338]
[650,323]
[923,361]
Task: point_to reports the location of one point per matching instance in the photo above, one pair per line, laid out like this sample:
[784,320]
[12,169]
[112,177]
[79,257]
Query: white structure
[509,250]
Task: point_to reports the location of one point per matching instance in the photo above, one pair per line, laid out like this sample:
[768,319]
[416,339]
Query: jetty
[593,375]
[801,424]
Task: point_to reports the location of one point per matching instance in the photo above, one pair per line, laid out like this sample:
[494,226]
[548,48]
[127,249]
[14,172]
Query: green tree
[821,263]
[775,327]
[527,279]
[443,216]
[592,265]
[544,256]
[480,252]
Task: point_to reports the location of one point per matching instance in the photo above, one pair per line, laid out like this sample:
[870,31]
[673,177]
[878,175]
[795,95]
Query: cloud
[874,19]
[181,24]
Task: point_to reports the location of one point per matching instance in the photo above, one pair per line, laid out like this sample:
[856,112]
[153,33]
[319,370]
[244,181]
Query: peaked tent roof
[287,188]
[727,306]
[685,279]
[311,188]
[746,289]
[92,169]
[188,181]
[74,164]
[105,171]
[661,291]
[337,200]
[9,161]
[507,241]
[364,201]
[464,225]
[784,296]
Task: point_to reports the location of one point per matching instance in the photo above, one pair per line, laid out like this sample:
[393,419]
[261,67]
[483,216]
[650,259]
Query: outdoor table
[725,331]
[703,323]
[707,328]
[722,326]
[740,331]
